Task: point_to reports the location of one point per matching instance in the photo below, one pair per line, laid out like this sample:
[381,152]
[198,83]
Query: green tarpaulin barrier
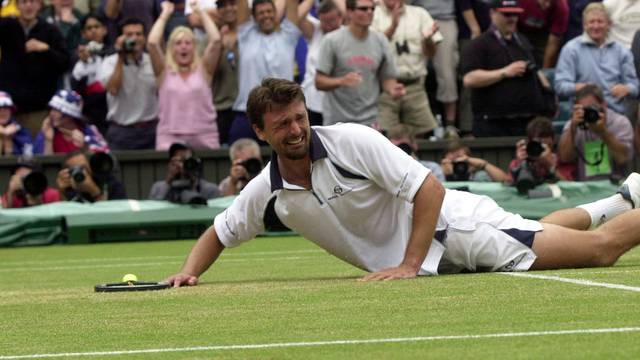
[129,220]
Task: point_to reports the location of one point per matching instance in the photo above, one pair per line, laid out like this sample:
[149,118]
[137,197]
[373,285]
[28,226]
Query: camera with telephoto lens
[253,166]
[460,171]
[35,183]
[101,165]
[129,45]
[591,114]
[534,149]
[192,166]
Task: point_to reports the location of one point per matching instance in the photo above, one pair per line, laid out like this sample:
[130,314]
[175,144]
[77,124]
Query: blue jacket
[582,61]
[22,141]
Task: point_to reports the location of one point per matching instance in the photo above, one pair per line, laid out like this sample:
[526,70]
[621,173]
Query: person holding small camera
[184,183]
[246,163]
[89,179]
[132,99]
[597,140]
[458,165]
[84,76]
[64,130]
[28,186]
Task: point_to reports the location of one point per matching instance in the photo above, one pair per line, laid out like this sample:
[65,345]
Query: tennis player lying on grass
[351,191]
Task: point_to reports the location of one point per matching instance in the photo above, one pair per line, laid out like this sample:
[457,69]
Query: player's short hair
[590,90]
[271,93]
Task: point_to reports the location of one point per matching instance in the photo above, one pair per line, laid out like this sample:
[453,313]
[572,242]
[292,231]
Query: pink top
[185,105]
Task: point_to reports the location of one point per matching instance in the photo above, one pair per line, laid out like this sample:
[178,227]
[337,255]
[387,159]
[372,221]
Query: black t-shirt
[508,98]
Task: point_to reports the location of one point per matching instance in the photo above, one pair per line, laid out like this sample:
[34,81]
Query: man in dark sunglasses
[354,64]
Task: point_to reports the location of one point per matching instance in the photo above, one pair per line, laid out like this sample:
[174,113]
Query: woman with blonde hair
[186,111]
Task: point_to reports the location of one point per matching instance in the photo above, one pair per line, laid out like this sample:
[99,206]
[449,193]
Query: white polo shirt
[360,205]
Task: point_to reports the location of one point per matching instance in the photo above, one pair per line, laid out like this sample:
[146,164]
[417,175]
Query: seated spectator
[84,77]
[459,165]
[544,23]
[399,136]
[184,183]
[132,101]
[246,163]
[88,180]
[597,140]
[64,131]
[183,78]
[14,139]
[34,57]
[537,155]
[28,187]
[506,85]
[63,15]
[594,58]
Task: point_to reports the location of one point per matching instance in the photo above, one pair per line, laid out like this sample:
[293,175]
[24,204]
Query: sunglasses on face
[222,4]
[365,8]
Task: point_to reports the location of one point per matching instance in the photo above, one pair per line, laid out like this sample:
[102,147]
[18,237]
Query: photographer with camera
[184,183]
[459,165]
[84,76]
[246,163]
[88,180]
[28,186]
[535,161]
[132,99]
[597,140]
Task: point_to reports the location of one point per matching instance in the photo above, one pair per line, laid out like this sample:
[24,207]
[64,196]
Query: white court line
[181,257]
[325,343]
[574,281]
[104,266]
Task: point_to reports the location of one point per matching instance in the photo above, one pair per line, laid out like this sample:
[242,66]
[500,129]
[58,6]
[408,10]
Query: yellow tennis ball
[129,278]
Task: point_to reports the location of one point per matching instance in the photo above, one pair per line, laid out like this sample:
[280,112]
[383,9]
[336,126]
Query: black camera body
[192,166]
[460,171]
[35,183]
[532,67]
[77,174]
[591,116]
[534,149]
[253,166]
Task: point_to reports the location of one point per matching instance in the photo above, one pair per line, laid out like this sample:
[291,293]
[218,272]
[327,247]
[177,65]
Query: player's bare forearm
[204,253]
[426,209]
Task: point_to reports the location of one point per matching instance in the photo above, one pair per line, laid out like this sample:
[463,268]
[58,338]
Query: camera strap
[598,157]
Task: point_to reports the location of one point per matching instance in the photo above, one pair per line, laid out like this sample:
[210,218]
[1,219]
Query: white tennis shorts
[478,235]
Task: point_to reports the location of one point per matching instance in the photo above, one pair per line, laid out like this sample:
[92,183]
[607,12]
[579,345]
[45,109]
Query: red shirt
[50,195]
[554,20]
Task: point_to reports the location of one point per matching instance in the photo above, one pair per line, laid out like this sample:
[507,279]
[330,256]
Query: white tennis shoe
[630,189]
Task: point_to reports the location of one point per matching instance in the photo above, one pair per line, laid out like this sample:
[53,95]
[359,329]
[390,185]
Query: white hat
[67,102]
[5,100]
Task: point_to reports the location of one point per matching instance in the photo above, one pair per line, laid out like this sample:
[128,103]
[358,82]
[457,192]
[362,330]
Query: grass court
[284,298]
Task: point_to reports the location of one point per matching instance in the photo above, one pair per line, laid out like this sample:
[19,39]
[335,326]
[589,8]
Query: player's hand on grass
[399,272]
[182,279]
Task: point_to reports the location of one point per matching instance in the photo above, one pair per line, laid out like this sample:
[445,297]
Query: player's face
[287,130]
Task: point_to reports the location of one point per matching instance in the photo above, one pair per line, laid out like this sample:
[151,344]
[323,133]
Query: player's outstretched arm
[204,253]
[426,209]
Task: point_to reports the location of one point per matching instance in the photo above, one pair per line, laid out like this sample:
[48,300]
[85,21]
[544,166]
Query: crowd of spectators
[93,76]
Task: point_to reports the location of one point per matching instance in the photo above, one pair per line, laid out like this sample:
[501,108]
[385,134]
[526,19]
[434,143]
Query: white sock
[604,210]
